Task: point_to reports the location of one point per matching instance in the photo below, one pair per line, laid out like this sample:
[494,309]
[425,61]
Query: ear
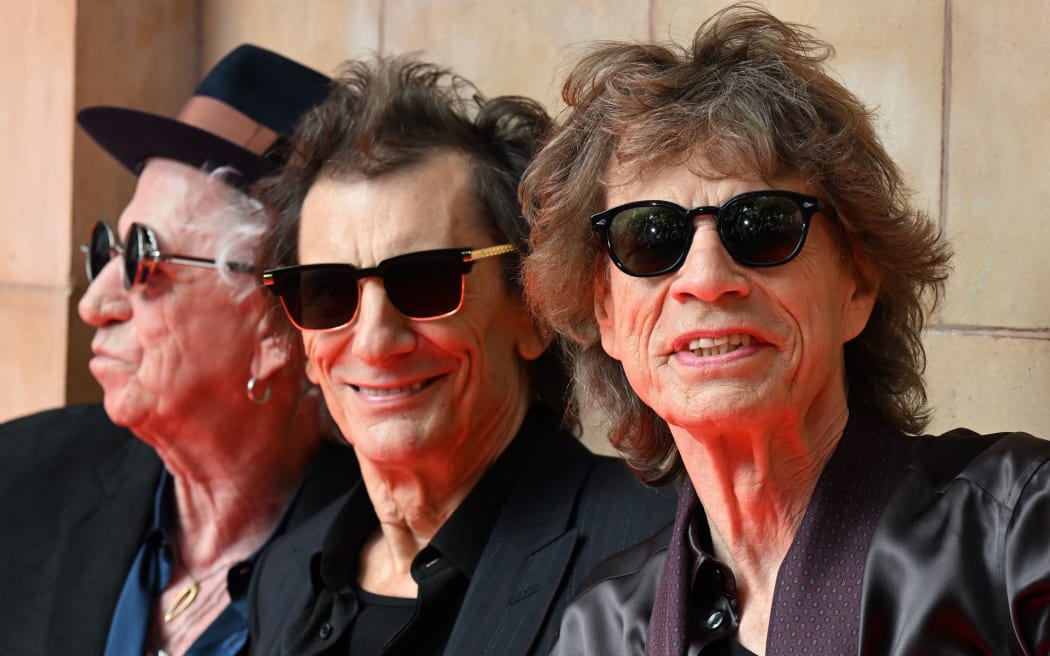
[532,340]
[604,314]
[311,372]
[860,302]
[274,350]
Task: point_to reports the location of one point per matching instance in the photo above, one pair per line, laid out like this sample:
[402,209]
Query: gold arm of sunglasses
[490,251]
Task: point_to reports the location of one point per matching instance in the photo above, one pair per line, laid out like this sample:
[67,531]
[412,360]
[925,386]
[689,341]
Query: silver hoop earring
[255,395]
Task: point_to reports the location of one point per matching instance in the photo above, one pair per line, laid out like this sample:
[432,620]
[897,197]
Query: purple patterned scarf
[817,599]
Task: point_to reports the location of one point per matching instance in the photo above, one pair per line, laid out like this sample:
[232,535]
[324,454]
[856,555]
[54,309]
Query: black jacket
[76,495]
[566,511]
[958,561]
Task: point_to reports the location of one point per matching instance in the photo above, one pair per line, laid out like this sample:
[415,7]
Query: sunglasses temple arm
[490,251]
[204,263]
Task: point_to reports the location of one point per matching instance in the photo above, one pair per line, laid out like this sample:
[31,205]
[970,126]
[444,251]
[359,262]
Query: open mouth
[708,346]
[378,392]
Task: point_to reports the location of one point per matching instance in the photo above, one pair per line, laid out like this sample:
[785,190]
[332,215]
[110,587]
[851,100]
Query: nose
[105,301]
[709,272]
[380,332]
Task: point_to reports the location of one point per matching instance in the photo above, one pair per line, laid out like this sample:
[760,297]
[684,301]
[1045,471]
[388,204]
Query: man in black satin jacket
[751,316]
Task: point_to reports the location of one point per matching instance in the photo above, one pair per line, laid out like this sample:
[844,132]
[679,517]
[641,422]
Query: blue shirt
[150,574]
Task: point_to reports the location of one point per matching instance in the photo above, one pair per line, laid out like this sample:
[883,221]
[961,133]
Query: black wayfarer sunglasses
[758,228]
[141,255]
[422,286]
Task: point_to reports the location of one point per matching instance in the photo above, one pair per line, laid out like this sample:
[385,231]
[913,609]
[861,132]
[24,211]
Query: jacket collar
[528,553]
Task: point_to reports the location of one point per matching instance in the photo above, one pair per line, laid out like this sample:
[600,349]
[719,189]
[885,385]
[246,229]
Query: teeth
[706,346]
[390,391]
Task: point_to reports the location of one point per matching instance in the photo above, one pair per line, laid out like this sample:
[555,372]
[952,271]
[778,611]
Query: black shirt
[379,619]
[363,624]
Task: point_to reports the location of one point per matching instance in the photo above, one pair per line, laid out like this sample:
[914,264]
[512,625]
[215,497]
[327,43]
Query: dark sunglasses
[422,286]
[141,255]
[759,229]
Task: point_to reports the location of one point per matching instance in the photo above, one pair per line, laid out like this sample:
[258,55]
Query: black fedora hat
[236,116]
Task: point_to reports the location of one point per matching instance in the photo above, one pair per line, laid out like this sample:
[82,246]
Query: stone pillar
[59,56]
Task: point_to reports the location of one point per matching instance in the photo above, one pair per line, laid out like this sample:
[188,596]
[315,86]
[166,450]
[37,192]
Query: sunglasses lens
[133,255]
[425,285]
[649,240]
[99,250]
[320,299]
[762,230]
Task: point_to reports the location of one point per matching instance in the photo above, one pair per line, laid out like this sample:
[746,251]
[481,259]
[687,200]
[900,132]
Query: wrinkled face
[179,346]
[405,392]
[716,343]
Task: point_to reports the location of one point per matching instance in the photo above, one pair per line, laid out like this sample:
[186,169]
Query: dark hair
[387,113]
[752,94]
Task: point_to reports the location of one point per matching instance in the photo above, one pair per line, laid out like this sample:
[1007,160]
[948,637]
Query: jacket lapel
[514,587]
[100,531]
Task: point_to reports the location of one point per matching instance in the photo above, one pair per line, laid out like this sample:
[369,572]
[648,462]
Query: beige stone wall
[36,128]
[961,88]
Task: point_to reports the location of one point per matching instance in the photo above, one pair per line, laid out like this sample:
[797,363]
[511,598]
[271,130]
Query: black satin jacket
[958,562]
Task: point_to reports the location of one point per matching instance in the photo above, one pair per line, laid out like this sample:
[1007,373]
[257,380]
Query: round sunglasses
[141,255]
[422,286]
[758,229]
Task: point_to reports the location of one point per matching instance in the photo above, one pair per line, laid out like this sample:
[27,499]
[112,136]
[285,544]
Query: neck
[755,484]
[233,482]
[413,501]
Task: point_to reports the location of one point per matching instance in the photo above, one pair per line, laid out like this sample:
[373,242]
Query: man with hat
[132,526]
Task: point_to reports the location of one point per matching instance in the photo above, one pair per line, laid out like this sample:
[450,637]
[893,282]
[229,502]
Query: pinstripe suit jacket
[567,511]
[76,496]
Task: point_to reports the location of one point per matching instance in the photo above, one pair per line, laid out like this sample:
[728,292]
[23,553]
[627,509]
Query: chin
[717,411]
[395,442]
[123,410]
[399,455]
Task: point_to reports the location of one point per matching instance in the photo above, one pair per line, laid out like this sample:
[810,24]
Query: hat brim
[132,137]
